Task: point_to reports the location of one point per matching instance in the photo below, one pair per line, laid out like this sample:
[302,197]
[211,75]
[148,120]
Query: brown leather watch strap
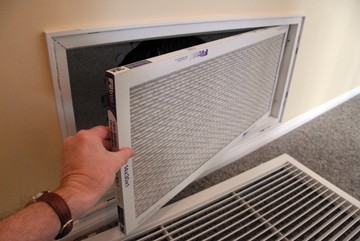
[61,208]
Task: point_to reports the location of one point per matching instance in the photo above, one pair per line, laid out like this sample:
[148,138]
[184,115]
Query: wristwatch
[60,207]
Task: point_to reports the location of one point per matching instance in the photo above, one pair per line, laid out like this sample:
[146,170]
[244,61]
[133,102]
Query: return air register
[280,200]
[183,110]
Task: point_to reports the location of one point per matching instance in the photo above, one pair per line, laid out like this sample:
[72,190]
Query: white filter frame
[124,78]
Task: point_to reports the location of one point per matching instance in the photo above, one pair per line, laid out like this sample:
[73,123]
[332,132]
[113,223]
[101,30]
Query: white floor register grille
[278,200]
[284,204]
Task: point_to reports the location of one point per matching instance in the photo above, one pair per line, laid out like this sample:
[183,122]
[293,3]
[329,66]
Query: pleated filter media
[180,120]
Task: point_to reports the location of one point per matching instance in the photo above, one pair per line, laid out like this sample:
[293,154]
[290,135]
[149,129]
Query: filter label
[201,53]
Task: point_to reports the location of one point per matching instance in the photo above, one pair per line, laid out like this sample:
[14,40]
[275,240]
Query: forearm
[37,222]
[89,170]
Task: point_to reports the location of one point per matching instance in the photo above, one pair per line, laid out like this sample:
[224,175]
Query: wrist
[60,208]
[69,197]
[78,203]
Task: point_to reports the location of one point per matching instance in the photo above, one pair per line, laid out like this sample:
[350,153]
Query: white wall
[328,65]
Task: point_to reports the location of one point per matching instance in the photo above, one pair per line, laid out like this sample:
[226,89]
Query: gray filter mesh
[181,120]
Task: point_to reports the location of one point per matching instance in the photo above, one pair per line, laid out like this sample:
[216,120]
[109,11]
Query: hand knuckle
[83,135]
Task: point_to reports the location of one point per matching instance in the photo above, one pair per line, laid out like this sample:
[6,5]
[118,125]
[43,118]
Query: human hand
[89,169]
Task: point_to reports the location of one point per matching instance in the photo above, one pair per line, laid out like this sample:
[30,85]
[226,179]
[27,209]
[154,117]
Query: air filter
[182,110]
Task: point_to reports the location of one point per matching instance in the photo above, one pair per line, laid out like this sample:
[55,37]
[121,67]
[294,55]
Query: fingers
[103,132]
[107,144]
[121,156]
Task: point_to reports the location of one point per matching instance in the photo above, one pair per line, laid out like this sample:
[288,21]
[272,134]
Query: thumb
[127,152]
[122,156]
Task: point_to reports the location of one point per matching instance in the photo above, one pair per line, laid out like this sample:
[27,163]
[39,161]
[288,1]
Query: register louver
[181,111]
[280,200]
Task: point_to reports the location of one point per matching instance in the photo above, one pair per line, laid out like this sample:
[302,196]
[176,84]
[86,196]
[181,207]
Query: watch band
[60,207]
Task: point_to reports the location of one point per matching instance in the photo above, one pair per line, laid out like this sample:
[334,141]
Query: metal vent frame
[60,41]
[338,209]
